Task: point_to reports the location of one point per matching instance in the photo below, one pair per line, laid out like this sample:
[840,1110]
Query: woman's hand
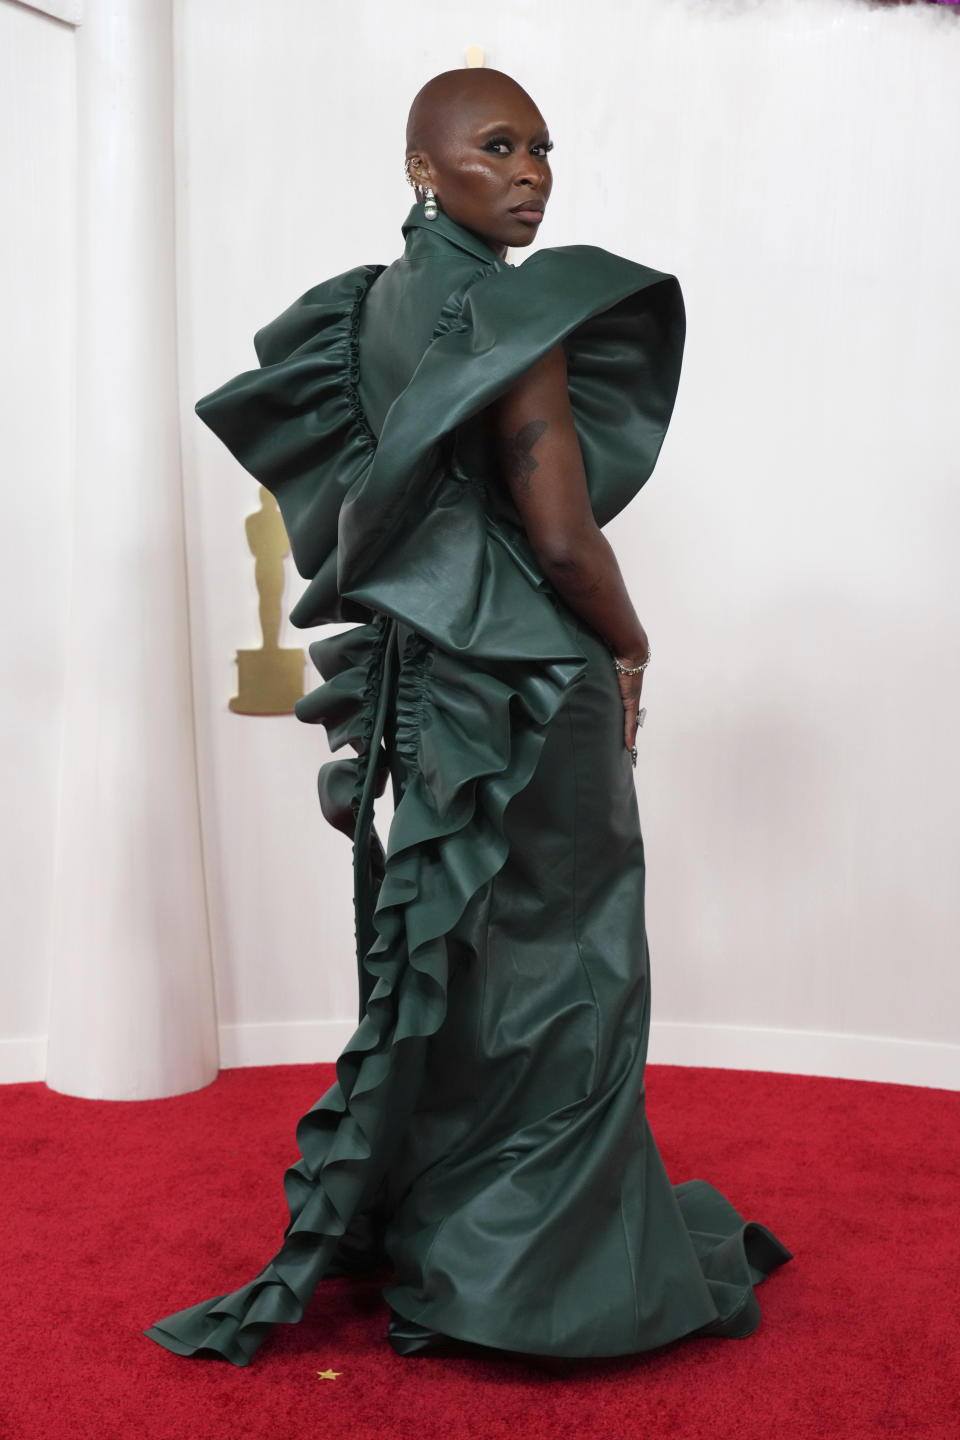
[631,687]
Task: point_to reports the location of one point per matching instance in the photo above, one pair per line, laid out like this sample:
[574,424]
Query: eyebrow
[504,126]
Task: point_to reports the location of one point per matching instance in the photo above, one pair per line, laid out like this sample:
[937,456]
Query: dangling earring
[429,200]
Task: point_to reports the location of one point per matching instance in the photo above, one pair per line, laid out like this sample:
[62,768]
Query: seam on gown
[573,903]
[423,1308]
[481,1006]
[632,1260]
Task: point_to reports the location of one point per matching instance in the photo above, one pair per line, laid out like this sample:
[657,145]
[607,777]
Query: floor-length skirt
[529,1208]
[486,1142]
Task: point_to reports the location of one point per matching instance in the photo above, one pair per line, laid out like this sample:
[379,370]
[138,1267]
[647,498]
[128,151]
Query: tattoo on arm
[518,460]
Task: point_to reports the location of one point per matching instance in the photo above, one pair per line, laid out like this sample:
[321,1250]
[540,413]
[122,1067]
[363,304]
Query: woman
[445,437]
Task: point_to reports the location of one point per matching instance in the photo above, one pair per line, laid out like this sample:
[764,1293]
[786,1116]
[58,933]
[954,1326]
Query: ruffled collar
[456,234]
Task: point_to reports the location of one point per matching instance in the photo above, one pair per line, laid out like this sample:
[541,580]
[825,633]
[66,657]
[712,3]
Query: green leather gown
[486,1136]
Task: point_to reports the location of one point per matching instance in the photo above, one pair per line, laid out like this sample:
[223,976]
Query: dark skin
[477,139]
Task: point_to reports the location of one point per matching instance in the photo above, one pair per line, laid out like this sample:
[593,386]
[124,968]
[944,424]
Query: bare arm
[543,468]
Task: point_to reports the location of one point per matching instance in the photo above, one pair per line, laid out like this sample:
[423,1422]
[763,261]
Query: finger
[635,711]
[631,740]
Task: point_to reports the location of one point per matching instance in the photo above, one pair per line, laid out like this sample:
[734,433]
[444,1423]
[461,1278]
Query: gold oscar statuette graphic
[270,679]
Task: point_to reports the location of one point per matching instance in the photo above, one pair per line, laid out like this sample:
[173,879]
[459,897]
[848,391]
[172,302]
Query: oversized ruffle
[410,527]
[396,532]
[297,423]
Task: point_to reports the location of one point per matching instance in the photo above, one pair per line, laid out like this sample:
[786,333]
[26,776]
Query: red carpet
[117,1213]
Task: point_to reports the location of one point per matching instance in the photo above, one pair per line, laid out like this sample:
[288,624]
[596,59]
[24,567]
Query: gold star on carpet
[329,1374]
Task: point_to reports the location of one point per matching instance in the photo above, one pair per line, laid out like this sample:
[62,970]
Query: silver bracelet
[632,669]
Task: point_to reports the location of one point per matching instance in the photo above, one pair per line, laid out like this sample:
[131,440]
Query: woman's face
[487,163]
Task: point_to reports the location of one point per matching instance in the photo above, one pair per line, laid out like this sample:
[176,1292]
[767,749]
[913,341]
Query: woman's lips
[530,214]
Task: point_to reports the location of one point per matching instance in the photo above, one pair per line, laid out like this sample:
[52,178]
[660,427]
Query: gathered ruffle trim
[447,839]
[361,739]
[351,395]
[412,692]
[344,704]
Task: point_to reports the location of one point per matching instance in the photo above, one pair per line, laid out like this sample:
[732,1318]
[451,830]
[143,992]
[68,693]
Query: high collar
[451,231]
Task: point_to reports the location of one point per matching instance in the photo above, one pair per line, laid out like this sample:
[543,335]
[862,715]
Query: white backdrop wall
[791,558]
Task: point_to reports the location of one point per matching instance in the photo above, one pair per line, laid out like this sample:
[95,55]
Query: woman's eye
[505,147]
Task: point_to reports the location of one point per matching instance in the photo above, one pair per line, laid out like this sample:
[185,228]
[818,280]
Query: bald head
[456,98]
[476,140]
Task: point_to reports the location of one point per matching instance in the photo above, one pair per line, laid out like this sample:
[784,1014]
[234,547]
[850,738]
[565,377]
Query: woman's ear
[419,169]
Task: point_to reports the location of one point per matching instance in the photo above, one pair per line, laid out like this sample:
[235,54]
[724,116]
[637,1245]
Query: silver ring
[641,714]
